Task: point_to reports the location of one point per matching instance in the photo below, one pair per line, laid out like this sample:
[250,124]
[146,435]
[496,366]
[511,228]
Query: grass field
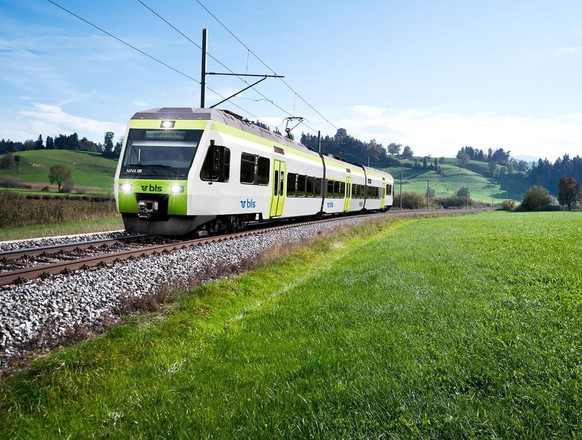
[447,327]
[89,169]
[453,177]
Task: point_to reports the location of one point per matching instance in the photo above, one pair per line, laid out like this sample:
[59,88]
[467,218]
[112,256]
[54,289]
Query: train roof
[233,120]
[225,116]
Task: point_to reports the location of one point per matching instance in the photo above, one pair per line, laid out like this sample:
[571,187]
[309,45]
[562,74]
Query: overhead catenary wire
[142,52]
[249,51]
[174,69]
[264,64]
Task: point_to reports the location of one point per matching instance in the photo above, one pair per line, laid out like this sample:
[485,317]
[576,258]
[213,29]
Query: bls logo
[248,203]
[152,188]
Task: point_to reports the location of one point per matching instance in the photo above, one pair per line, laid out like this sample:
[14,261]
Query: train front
[151,182]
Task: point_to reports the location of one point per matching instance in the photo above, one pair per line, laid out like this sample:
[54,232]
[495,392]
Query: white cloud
[571,50]
[52,120]
[443,134]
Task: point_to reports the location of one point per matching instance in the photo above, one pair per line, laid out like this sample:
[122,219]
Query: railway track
[19,266]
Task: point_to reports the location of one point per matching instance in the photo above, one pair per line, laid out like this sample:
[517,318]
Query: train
[203,171]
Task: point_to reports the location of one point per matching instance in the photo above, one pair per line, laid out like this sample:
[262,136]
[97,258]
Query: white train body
[183,170]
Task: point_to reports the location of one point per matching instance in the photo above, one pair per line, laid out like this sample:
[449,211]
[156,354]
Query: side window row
[216,167]
[299,185]
[255,170]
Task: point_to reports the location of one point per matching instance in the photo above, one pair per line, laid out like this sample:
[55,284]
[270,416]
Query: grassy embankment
[449,327]
[92,174]
[476,176]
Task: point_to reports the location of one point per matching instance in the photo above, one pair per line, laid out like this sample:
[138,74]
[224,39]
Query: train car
[183,170]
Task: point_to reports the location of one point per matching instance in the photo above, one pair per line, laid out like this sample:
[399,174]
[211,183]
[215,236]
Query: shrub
[508,205]
[537,198]
[18,210]
[9,182]
[413,200]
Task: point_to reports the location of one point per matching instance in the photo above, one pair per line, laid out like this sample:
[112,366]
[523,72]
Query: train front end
[151,182]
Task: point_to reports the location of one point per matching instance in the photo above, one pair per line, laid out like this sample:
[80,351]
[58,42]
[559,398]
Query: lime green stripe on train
[207,171]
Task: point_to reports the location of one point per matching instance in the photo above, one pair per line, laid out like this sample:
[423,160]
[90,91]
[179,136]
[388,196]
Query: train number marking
[330,204]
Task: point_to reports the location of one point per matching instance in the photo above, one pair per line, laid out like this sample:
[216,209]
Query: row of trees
[65,142]
[351,149]
[547,174]
[499,156]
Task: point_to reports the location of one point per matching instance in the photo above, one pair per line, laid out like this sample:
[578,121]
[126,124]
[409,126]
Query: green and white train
[184,170]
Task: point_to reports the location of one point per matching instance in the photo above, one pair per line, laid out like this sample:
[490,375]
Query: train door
[348,194]
[383,199]
[278,195]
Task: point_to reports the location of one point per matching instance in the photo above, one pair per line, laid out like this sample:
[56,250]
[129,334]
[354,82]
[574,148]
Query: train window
[329,192]
[389,190]
[317,191]
[310,186]
[247,168]
[263,170]
[341,190]
[291,184]
[216,165]
[301,185]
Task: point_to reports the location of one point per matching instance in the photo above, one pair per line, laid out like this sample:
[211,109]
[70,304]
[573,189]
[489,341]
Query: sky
[436,75]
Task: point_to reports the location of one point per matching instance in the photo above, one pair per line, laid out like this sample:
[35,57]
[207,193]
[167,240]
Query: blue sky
[435,75]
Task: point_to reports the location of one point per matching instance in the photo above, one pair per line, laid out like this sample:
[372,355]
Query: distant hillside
[476,176]
[89,169]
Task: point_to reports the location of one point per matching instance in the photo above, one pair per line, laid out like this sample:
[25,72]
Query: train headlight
[168,124]
[126,188]
[176,189]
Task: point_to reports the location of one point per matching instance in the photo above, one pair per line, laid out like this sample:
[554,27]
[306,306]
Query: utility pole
[427,188]
[400,190]
[203,75]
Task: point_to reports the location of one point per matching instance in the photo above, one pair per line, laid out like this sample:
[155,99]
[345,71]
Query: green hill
[477,176]
[91,172]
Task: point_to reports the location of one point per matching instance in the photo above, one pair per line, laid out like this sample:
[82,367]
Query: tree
[463,159]
[61,175]
[569,191]
[537,198]
[108,144]
[463,192]
[8,161]
[39,144]
[407,153]
[394,149]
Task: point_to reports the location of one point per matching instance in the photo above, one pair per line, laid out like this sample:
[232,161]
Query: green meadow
[445,327]
[92,173]
[476,176]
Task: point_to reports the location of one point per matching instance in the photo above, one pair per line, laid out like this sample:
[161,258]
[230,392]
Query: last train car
[184,169]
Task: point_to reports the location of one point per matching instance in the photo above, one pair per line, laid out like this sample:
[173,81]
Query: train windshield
[159,153]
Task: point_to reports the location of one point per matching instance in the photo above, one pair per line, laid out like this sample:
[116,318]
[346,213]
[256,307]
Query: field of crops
[449,327]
